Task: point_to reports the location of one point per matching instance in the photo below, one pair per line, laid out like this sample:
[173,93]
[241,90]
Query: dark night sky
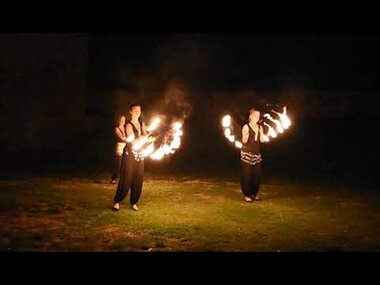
[328,62]
[77,81]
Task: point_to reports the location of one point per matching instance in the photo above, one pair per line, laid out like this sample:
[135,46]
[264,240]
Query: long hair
[118,119]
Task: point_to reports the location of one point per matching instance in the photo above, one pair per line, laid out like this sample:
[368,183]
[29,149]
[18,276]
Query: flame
[166,149]
[284,118]
[238,144]
[277,122]
[231,138]
[148,150]
[226,121]
[140,143]
[153,125]
[265,138]
[177,126]
[144,146]
[175,143]
[280,126]
[158,154]
[227,132]
[169,147]
[271,131]
[130,138]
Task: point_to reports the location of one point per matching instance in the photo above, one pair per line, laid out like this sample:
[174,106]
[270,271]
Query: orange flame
[226,121]
[158,154]
[169,147]
[153,125]
[271,131]
[285,121]
[177,126]
[265,138]
[238,144]
[227,132]
[277,123]
[231,138]
[148,150]
[140,143]
[280,126]
[175,143]
[130,138]
[144,146]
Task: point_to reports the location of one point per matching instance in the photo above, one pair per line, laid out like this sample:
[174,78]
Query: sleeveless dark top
[250,152]
[252,146]
[136,133]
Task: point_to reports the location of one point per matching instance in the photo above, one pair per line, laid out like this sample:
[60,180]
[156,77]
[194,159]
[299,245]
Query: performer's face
[122,120]
[136,112]
[254,117]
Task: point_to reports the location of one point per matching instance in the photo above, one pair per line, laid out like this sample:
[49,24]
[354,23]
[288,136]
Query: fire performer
[132,166]
[119,147]
[250,156]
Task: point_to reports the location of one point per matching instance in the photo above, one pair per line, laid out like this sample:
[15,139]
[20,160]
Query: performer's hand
[150,138]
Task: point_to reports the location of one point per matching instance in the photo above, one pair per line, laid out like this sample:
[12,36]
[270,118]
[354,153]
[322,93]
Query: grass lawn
[186,213]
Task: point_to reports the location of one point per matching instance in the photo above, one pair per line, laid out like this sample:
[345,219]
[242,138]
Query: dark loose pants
[131,177]
[116,167]
[250,178]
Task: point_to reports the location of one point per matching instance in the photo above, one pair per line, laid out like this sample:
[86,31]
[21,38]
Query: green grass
[182,213]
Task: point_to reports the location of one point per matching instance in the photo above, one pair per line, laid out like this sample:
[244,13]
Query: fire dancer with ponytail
[132,166]
[250,156]
[119,148]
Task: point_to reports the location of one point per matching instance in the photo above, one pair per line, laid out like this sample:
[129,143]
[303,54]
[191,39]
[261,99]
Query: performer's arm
[145,133]
[245,134]
[136,140]
[143,129]
[119,134]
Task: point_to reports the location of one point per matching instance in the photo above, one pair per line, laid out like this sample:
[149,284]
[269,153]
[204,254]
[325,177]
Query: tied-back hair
[136,104]
[253,109]
[261,119]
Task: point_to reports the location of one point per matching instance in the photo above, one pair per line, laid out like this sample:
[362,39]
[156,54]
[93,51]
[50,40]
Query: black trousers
[250,178]
[116,167]
[131,177]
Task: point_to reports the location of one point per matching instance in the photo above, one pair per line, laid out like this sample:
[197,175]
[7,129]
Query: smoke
[172,106]
[174,102]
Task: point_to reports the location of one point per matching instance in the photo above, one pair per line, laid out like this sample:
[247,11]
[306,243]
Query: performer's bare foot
[134,207]
[256,198]
[247,199]
[113,181]
[116,207]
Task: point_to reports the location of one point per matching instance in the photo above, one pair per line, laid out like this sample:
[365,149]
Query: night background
[61,93]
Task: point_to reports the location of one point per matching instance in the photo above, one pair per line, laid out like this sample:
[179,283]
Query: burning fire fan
[276,123]
[169,141]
